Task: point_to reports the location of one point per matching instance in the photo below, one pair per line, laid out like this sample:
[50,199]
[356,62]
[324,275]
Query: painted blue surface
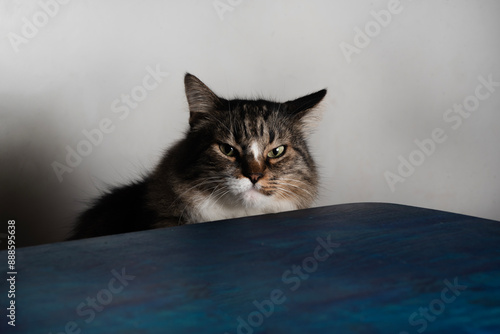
[389,262]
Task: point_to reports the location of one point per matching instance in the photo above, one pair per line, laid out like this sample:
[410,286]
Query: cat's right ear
[201,100]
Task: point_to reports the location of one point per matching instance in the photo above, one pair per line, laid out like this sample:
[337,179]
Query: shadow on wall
[30,193]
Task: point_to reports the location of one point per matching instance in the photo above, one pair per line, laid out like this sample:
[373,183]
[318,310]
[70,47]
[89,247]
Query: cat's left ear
[304,109]
[201,99]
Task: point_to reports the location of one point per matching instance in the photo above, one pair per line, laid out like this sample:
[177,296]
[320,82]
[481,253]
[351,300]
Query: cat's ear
[201,99]
[305,110]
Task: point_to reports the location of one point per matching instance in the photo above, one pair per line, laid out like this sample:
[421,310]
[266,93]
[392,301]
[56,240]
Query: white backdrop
[411,116]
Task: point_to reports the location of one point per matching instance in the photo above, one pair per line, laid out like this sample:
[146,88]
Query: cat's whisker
[300,188]
[286,191]
[280,195]
[295,180]
[182,214]
[214,194]
[223,193]
[213,191]
[289,194]
[208,180]
[203,202]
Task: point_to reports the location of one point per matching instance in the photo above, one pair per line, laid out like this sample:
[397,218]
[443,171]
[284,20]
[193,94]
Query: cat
[238,158]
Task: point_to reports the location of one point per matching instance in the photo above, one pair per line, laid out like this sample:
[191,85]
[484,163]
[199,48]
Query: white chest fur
[209,209]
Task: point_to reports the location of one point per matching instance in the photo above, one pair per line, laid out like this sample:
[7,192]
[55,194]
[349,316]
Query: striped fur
[198,181]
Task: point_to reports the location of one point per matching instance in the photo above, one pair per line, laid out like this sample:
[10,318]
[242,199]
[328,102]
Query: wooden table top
[352,268]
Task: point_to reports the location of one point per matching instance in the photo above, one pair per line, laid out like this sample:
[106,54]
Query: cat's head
[253,153]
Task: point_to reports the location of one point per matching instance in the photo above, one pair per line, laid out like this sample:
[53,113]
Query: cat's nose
[254,177]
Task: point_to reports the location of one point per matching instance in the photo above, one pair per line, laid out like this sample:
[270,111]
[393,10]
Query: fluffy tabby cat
[238,158]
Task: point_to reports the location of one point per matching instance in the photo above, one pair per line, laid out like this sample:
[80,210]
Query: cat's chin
[253,198]
[248,194]
[248,202]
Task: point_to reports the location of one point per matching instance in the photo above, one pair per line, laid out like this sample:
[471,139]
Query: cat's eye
[227,150]
[276,152]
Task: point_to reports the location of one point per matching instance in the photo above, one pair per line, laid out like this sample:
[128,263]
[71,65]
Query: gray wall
[65,68]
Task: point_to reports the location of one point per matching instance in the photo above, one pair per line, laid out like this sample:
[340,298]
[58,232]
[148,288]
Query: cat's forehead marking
[253,125]
[254,148]
[254,122]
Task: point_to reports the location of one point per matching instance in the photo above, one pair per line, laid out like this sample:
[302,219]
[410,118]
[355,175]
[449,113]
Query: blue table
[353,268]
